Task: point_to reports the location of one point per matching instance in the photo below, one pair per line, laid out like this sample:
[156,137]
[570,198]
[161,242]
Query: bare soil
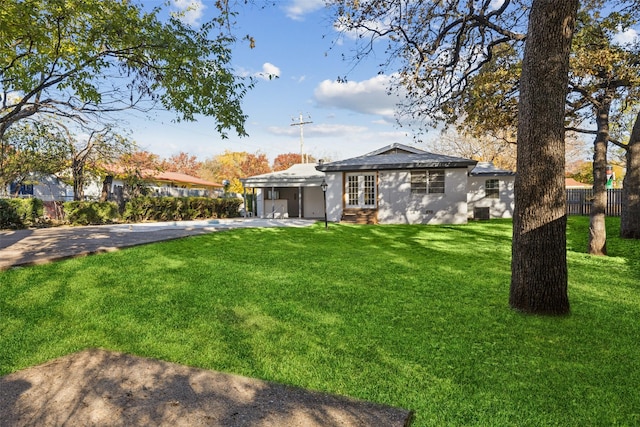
[102,388]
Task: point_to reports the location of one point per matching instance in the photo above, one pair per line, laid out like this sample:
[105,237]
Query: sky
[295,41]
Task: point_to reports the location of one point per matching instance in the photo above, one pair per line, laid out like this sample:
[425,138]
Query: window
[361,190]
[492,188]
[427,182]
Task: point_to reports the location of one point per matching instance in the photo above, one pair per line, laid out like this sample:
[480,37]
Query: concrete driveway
[42,245]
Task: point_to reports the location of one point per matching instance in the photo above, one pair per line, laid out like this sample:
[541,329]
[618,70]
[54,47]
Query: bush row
[179,208]
[21,213]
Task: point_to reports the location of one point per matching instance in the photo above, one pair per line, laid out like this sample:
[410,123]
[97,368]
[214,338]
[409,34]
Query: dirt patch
[101,388]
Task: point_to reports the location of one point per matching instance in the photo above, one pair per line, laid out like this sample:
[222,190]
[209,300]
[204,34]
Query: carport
[291,193]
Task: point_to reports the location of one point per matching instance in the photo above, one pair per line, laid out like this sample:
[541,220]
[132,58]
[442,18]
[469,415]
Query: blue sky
[294,40]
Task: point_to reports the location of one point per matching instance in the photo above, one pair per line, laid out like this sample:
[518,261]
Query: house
[291,193]
[396,184]
[173,184]
[52,188]
[399,184]
[571,183]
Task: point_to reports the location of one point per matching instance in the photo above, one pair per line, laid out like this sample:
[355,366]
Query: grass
[410,316]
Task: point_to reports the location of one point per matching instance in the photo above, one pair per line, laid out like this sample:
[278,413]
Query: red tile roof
[572,183]
[180,177]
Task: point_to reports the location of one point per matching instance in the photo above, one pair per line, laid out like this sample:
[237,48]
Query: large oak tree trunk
[630,215]
[597,228]
[539,259]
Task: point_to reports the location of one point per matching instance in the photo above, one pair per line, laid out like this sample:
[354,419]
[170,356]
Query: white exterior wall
[334,195]
[312,200]
[501,207]
[396,204]
[50,188]
[259,203]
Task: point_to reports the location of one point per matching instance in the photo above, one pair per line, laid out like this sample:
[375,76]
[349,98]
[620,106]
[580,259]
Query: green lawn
[410,316]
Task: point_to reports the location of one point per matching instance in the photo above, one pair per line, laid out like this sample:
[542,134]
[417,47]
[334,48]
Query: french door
[360,190]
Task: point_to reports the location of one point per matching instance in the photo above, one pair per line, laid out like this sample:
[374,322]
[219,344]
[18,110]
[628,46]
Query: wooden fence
[579,201]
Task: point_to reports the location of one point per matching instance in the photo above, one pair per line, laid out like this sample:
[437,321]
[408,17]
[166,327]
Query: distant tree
[88,153]
[80,58]
[233,165]
[255,164]
[286,160]
[500,152]
[30,149]
[133,167]
[582,172]
[183,163]
[605,81]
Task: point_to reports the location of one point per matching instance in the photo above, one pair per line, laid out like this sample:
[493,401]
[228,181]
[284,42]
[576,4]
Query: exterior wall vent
[481,213]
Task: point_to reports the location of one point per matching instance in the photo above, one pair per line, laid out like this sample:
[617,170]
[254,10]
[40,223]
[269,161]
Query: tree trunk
[77,169]
[106,185]
[630,215]
[539,258]
[597,228]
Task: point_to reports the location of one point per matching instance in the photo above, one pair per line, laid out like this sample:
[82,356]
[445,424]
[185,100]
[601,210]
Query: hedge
[179,208]
[91,213]
[20,213]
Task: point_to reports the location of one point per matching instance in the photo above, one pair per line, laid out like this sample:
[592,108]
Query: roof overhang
[300,175]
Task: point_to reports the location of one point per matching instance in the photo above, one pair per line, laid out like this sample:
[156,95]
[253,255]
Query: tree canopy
[82,59]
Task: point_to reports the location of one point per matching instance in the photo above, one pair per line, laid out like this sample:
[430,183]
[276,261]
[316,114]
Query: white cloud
[189,11]
[626,37]
[366,97]
[269,72]
[317,130]
[296,9]
[496,4]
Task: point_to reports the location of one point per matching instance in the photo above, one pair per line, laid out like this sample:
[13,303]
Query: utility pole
[301,123]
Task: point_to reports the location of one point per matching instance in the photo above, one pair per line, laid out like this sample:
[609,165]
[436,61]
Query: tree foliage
[89,153]
[85,58]
[31,150]
[435,47]
[286,160]
[604,83]
[234,165]
[500,152]
[183,163]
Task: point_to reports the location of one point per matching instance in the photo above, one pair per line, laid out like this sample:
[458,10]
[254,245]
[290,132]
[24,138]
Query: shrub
[86,213]
[20,213]
[179,208]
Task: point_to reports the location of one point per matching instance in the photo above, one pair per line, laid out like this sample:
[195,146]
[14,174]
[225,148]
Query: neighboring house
[571,183]
[173,184]
[291,193]
[51,188]
[47,188]
[396,184]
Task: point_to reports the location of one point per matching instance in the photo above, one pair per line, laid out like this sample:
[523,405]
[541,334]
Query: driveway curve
[43,245]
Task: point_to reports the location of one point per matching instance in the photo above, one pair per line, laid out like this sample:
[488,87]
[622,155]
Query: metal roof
[488,169]
[397,156]
[298,175]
